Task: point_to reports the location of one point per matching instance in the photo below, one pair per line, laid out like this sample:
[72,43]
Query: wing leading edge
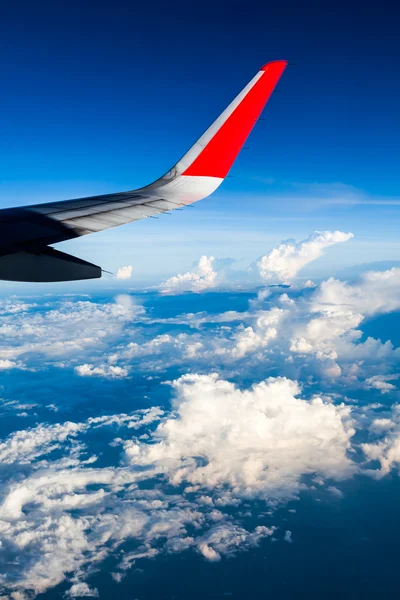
[26,232]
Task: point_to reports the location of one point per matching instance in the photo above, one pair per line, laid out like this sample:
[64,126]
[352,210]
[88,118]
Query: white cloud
[81,590]
[208,552]
[124,272]
[133,421]
[284,262]
[334,312]
[250,339]
[376,292]
[227,538]
[27,445]
[6,364]
[382,425]
[203,277]
[63,329]
[381,383]
[387,449]
[258,441]
[288,537]
[109,371]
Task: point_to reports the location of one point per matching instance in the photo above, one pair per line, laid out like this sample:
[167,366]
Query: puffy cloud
[309,284]
[227,538]
[387,449]
[202,278]
[27,445]
[284,262]
[208,552]
[109,371]
[375,292]
[250,338]
[288,537]
[335,491]
[124,272]
[331,332]
[381,425]
[258,441]
[6,364]
[81,590]
[381,383]
[14,306]
[337,309]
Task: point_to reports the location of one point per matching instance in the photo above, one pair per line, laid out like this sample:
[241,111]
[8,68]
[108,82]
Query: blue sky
[98,99]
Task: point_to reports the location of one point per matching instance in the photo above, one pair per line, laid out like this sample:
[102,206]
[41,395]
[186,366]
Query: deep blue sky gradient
[100,97]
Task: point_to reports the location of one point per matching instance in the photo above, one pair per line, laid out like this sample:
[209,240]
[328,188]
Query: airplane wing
[26,233]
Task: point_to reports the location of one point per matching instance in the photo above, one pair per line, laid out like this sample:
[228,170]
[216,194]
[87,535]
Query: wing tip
[281,63]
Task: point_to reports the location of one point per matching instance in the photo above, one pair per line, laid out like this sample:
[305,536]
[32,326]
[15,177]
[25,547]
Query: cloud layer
[218,448]
[262,408]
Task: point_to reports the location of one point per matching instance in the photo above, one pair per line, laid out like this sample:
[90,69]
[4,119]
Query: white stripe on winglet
[186,188]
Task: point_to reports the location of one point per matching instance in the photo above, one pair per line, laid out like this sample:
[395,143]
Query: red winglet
[217,157]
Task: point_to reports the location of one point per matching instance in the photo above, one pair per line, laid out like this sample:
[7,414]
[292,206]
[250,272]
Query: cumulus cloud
[109,371]
[124,272]
[202,278]
[337,309]
[385,450]
[288,537]
[6,364]
[375,292]
[227,538]
[284,262]
[381,383]
[249,339]
[258,441]
[81,590]
[26,445]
